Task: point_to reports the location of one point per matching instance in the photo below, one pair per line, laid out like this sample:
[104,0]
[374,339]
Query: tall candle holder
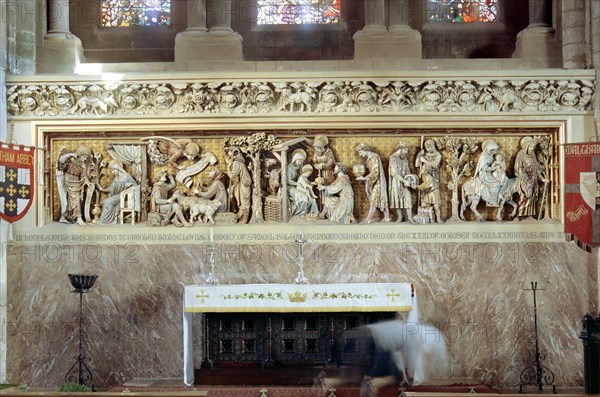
[539,375]
[300,240]
[79,372]
[212,248]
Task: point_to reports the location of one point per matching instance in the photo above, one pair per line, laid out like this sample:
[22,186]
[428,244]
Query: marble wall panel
[475,293]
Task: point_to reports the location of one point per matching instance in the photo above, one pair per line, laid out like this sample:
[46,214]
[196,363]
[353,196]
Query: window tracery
[296,12]
[462,11]
[136,13]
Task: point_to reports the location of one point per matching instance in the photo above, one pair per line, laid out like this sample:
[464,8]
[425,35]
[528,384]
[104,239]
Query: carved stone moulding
[319,96]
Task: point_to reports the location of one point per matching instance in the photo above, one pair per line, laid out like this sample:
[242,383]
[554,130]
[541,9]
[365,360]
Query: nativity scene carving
[263,177]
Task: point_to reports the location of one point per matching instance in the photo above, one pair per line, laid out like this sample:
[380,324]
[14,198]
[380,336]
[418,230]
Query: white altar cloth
[287,298]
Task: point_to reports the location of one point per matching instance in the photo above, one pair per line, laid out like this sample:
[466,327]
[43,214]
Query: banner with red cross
[16,180]
[582,193]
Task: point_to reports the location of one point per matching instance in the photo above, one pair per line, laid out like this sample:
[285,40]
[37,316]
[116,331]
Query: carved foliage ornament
[139,98]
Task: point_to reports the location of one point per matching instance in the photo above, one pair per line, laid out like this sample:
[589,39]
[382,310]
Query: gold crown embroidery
[297,297]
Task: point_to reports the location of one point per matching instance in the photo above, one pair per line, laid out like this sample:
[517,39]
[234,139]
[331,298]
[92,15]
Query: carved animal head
[215,204]
[177,194]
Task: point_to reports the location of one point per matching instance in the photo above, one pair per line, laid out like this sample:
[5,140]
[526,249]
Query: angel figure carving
[167,151]
[163,150]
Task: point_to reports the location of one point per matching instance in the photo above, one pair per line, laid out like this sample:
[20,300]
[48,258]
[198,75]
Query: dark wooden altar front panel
[281,348]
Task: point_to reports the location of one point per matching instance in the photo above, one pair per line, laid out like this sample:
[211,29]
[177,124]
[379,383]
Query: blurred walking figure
[405,352]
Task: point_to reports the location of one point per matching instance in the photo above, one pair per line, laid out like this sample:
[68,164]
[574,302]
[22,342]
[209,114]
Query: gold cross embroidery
[11,175]
[23,191]
[393,295]
[11,190]
[202,296]
[11,205]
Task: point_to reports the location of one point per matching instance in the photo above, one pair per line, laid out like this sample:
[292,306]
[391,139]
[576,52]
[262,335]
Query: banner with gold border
[582,192]
[16,181]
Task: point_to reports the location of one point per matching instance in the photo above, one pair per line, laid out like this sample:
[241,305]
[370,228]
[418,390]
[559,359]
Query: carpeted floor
[303,391]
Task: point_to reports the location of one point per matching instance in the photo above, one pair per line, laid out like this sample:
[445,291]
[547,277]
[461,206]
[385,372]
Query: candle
[212,235]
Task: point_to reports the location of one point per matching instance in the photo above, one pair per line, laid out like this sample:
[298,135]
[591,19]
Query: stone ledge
[425,69]
[317,231]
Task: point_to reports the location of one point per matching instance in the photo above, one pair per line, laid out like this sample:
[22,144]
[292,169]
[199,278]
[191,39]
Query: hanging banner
[582,192]
[16,181]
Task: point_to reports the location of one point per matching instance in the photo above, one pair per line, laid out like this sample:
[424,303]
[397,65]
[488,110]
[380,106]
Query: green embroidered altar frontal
[298,298]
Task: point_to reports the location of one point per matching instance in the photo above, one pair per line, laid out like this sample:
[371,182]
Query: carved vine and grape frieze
[149,98]
[323,177]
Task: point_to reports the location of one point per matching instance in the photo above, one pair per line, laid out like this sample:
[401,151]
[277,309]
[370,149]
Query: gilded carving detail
[342,178]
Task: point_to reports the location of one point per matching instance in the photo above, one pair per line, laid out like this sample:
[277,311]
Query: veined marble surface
[476,293]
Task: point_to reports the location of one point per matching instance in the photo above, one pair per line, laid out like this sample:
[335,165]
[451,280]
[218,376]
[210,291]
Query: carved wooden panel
[290,339]
[237,338]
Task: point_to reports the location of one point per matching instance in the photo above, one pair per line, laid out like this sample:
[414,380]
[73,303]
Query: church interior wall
[125,44]
[474,288]
[23,27]
[495,41]
[476,293]
[292,43]
[285,43]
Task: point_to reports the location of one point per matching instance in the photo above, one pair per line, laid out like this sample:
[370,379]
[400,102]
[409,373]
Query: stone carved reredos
[145,98]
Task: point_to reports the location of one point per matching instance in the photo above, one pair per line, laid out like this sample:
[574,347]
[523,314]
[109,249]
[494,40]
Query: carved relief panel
[340,176]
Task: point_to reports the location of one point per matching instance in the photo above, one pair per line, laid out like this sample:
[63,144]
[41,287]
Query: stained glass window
[296,12]
[136,12]
[462,11]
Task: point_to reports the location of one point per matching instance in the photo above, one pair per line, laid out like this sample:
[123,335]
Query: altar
[256,324]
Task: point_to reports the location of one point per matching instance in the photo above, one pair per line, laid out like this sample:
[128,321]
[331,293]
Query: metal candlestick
[79,372]
[539,375]
[300,278]
[212,279]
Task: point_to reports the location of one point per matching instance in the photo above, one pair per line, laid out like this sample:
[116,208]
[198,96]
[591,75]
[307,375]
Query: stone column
[219,17]
[407,38]
[574,22]
[375,17]
[196,18]
[375,40]
[370,41]
[58,18]
[399,12]
[209,35]
[62,51]
[539,13]
[538,40]
[595,33]
[187,41]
